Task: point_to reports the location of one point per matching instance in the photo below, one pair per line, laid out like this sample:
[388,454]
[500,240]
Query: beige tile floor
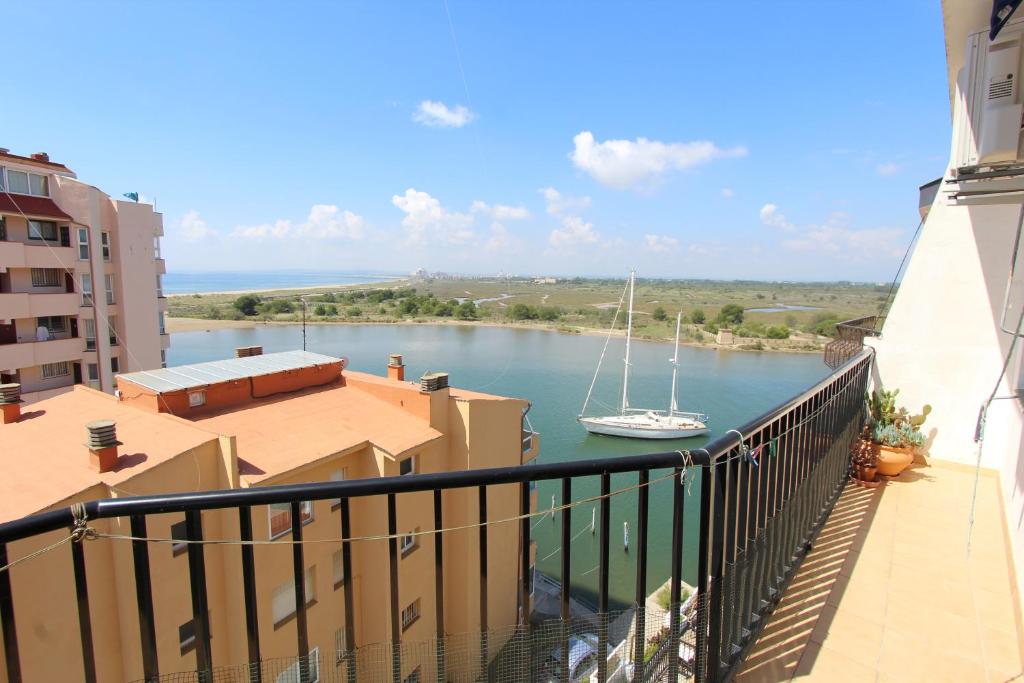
[889,592]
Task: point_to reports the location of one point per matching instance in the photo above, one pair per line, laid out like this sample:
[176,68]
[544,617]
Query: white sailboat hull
[646,425]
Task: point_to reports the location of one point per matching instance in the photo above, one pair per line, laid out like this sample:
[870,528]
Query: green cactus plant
[891,424]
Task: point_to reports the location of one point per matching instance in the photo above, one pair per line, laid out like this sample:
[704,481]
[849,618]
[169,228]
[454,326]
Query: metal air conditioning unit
[987,157]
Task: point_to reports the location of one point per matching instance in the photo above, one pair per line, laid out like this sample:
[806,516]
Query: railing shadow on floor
[781,651]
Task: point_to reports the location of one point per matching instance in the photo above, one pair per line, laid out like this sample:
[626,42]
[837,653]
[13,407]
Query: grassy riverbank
[573,306]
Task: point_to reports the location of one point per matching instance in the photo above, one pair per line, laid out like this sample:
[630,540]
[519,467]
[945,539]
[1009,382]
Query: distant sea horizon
[194,282]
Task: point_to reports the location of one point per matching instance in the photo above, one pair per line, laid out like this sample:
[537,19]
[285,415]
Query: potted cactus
[894,432]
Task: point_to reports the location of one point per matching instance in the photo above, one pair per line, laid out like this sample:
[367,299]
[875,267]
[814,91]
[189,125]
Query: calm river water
[553,371]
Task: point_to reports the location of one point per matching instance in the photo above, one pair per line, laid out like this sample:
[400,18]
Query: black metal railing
[765,490]
[849,339]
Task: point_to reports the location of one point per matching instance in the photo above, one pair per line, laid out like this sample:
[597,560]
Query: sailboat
[643,423]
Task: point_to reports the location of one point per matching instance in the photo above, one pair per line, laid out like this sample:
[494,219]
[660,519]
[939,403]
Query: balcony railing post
[566,564]
[346,566]
[602,589]
[10,630]
[676,577]
[144,599]
[197,588]
[299,572]
[439,587]
[396,627]
[252,627]
[84,617]
[640,596]
[482,548]
[525,577]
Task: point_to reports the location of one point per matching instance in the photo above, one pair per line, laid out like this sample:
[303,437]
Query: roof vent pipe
[434,381]
[10,402]
[102,444]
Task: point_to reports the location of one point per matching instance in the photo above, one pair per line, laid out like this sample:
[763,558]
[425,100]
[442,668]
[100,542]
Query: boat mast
[672,407]
[629,334]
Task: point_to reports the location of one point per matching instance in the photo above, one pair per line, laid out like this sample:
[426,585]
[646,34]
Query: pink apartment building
[80,293]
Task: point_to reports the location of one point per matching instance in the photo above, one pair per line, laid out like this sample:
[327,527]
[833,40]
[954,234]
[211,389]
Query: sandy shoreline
[203,325]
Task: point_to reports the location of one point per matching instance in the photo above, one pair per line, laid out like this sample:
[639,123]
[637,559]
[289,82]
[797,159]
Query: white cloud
[501,212]
[836,236]
[624,163]
[501,240]
[887,169]
[574,231]
[728,193]
[325,221]
[660,243]
[193,228]
[558,204]
[427,221]
[439,115]
[771,216]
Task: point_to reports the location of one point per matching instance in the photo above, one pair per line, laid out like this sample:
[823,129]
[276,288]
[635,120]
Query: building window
[105,243]
[90,334]
[340,646]
[52,323]
[38,185]
[413,677]
[94,375]
[179,532]
[83,244]
[2,184]
[338,475]
[86,289]
[407,466]
[159,285]
[45,277]
[293,673]
[42,230]
[51,370]
[338,562]
[3,222]
[410,614]
[409,542]
[156,247]
[17,182]
[187,636]
[280,516]
[108,280]
[163,358]
[282,600]
[163,328]
[115,366]
[196,399]
[112,330]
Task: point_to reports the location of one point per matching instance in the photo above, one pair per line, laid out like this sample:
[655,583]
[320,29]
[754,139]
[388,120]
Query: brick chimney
[41,156]
[102,444]
[396,368]
[10,402]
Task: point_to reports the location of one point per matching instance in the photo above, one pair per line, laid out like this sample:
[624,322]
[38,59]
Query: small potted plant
[894,431]
[865,460]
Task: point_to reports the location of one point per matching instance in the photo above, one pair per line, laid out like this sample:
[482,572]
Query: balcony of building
[901,586]
[733,520]
[161,266]
[36,254]
[26,354]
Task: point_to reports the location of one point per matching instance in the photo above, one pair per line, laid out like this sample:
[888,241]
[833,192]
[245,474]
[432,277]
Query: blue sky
[783,142]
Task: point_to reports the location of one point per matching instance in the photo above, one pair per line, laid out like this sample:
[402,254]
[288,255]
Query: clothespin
[773,447]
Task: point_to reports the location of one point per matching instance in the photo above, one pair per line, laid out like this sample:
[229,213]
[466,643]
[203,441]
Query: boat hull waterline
[643,427]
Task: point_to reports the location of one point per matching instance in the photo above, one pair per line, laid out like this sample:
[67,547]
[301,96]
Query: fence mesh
[534,653]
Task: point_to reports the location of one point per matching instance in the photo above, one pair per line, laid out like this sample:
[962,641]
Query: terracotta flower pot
[892,461]
[865,472]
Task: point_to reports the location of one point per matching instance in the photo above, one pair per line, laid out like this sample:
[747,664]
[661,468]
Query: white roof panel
[202,374]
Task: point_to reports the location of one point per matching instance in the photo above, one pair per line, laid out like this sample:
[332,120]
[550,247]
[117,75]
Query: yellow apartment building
[81,297]
[282,418]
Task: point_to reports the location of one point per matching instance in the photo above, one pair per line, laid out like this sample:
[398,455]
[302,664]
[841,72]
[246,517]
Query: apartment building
[80,292]
[281,418]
